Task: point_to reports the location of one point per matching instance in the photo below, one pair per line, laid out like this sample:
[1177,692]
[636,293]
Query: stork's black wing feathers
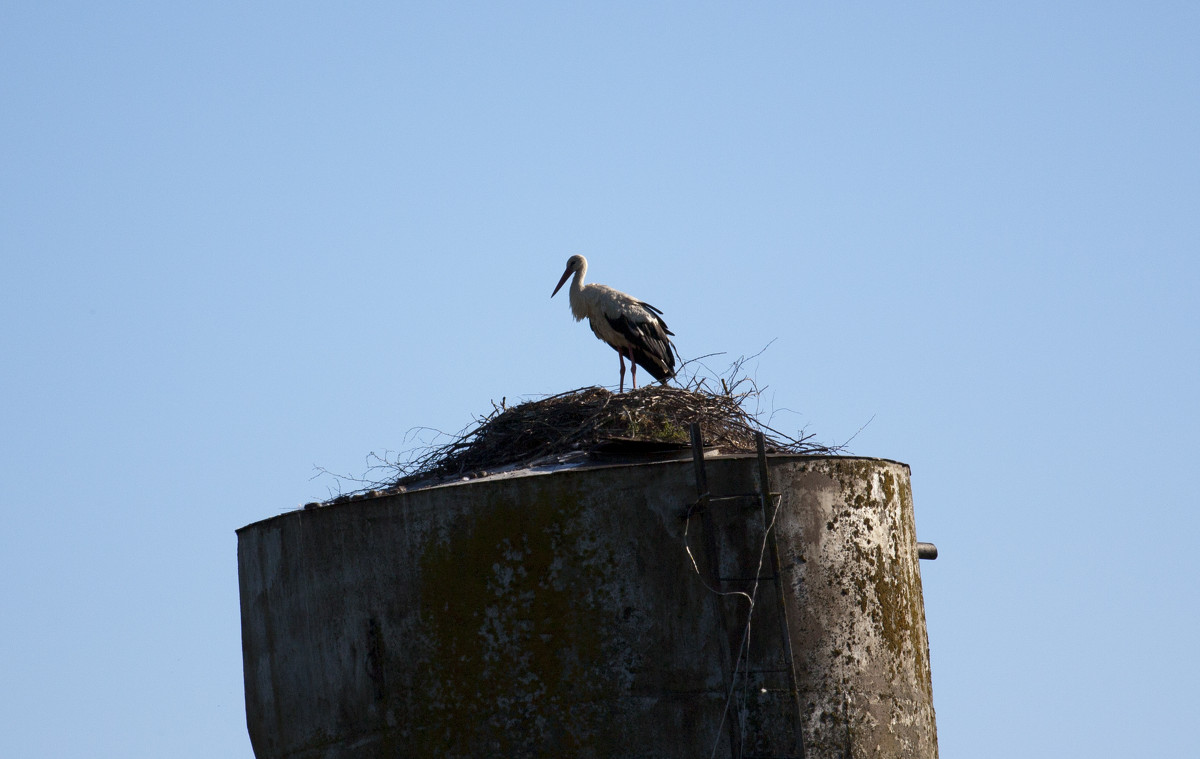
[652,348]
[661,323]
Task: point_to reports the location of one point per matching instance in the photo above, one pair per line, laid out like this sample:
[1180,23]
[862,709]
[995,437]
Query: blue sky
[240,243]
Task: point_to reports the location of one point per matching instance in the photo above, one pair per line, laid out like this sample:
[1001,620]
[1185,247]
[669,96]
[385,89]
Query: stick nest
[586,420]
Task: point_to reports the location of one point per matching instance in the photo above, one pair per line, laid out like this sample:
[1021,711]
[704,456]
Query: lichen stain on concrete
[515,629]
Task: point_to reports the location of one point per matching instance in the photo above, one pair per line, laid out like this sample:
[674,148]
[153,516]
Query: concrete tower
[596,611]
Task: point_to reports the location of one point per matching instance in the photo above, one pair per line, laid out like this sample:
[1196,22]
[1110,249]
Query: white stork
[633,328]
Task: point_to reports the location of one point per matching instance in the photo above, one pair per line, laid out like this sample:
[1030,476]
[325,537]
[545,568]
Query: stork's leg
[633,369]
[621,358]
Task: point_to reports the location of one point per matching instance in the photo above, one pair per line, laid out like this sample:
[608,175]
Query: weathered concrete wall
[560,615]
[860,642]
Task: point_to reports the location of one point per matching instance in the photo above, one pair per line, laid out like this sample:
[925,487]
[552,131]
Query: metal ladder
[763,710]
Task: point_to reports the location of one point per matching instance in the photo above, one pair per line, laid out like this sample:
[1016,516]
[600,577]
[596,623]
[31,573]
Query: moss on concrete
[516,631]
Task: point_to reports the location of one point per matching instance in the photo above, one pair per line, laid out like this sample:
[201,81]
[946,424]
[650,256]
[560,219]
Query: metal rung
[772,578]
[739,496]
[762,671]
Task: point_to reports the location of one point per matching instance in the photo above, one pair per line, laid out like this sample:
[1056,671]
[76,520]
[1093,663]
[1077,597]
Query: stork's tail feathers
[661,365]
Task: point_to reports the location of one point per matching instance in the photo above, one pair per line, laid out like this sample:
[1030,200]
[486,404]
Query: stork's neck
[578,304]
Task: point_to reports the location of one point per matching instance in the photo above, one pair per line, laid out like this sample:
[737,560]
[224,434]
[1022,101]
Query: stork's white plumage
[633,328]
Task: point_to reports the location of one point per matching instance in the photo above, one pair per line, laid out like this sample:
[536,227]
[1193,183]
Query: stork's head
[574,263]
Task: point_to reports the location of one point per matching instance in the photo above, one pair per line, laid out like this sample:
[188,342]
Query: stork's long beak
[558,287]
